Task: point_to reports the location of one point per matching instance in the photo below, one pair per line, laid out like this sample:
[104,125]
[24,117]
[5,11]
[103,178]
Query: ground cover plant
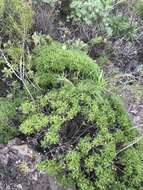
[8,119]
[84,130]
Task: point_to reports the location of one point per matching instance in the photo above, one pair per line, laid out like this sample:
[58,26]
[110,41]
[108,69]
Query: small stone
[19,186]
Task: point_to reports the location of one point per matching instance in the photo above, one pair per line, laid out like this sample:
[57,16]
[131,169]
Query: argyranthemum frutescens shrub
[82,129]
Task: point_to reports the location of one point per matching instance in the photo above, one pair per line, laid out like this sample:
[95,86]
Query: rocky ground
[130,87]
[18,169]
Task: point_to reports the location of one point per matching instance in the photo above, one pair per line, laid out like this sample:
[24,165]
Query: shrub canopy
[79,125]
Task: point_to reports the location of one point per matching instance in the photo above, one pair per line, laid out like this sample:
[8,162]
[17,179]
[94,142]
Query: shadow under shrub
[79,125]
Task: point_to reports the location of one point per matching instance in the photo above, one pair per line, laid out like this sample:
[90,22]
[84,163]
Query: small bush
[81,128]
[122,26]
[55,64]
[15,19]
[8,119]
[92,12]
[15,23]
[139,8]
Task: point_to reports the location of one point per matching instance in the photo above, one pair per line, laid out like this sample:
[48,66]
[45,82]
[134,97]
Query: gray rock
[18,169]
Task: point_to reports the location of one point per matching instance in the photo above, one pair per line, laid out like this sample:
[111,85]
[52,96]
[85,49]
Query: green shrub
[15,19]
[55,64]
[8,119]
[92,12]
[139,8]
[81,127]
[122,26]
[15,23]
[78,45]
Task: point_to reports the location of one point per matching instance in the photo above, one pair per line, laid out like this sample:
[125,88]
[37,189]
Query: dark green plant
[83,129]
[122,26]
[15,23]
[138,7]
[8,119]
[103,59]
[15,19]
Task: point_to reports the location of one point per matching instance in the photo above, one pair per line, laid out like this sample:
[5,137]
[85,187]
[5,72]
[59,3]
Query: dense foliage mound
[84,130]
[56,65]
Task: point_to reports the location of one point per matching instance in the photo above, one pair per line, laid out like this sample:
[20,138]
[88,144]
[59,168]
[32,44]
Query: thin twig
[17,75]
[130,144]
